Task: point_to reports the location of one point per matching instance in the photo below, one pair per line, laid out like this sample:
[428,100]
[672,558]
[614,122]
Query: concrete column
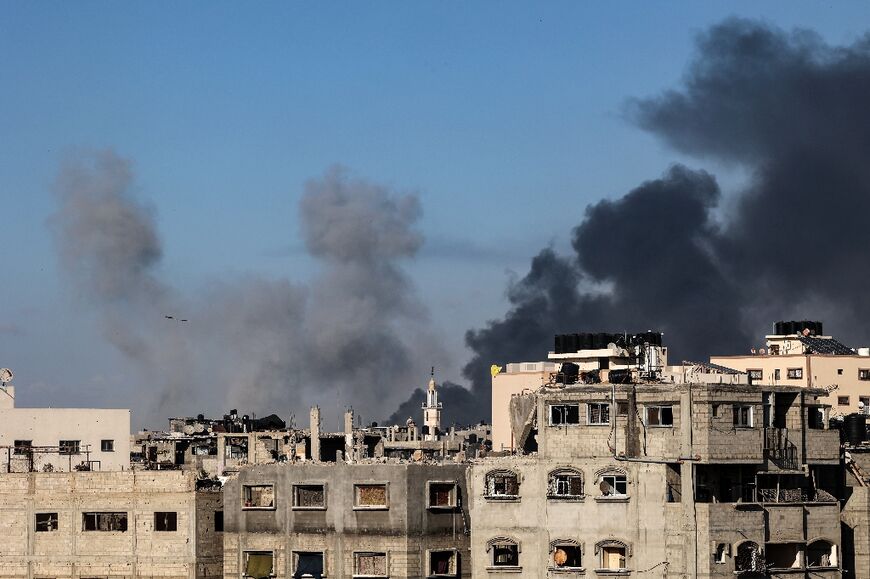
[315,433]
[348,435]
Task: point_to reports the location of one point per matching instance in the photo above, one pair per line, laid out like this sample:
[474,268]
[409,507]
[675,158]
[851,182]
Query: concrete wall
[406,530]
[505,385]
[48,426]
[70,551]
[641,520]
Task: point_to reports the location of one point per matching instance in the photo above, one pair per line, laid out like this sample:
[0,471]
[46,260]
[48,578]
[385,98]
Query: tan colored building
[811,361]
[514,379]
[62,439]
[109,525]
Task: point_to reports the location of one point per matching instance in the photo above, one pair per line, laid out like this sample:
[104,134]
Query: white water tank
[864,351]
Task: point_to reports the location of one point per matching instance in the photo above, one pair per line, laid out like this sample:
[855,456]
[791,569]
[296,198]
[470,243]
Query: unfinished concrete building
[631,467]
[110,525]
[222,447]
[372,518]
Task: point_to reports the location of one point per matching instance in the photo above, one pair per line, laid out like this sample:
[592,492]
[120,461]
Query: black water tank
[855,426]
[586,341]
[777,328]
[558,348]
[569,373]
[570,343]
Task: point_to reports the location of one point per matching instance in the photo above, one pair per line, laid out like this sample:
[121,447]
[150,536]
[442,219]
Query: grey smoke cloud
[789,110]
[356,334]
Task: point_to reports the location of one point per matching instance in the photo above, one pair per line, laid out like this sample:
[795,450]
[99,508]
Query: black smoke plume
[784,108]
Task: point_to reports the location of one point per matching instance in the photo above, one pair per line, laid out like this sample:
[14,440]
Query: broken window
[104,522]
[236,447]
[821,553]
[258,564]
[504,553]
[370,564]
[566,555]
[46,522]
[22,447]
[308,564]
[842,400]
[107,445]
[564,414]
[566,483]
[69,446]
[864,374]
[442,495]
[721,553]
[613,485]
[748,557]
[794,373]
[309,497]
[613,555]
[598,412]
[258,496]
[442,563]
[784,555]
[166,521]
[219,521]
[622,408]
[743,415]
[755,374]
[370,496]
[502,485]
[659,416]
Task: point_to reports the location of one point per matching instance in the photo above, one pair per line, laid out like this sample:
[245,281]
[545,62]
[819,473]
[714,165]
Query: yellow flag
[494,369]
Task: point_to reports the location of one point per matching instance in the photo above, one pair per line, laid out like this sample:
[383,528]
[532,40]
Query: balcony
[779,450]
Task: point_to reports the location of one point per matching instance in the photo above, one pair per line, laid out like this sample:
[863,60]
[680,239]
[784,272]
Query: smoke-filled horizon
[357,332]
[711,269]
[789,110]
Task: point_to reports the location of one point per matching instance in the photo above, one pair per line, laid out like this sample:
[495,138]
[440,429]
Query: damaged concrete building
[629,466]
[220,447]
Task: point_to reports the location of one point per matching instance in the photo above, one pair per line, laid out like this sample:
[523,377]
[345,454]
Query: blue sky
[504,117]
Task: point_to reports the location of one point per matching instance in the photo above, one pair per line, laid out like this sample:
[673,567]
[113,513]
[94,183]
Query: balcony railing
[779,449]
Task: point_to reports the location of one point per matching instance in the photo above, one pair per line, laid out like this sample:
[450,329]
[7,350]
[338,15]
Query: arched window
[613,483]
[565,483]
[613,554]
[502,484]
[566,554]
[822,553]
[503,552]
[748,557]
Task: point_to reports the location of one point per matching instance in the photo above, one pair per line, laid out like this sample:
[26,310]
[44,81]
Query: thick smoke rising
[788,110]
[354,335]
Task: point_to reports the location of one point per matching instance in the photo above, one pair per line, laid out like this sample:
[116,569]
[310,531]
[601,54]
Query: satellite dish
[6,376]
[762,351]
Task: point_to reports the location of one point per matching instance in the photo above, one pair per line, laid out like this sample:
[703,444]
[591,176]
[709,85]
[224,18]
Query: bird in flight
[174,318]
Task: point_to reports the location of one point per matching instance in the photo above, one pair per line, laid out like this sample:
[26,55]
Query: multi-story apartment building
[364,519]
[798,354]
[109,525]
[689,472]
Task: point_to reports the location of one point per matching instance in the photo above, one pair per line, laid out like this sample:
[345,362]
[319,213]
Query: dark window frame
[45,522]
[165,521]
